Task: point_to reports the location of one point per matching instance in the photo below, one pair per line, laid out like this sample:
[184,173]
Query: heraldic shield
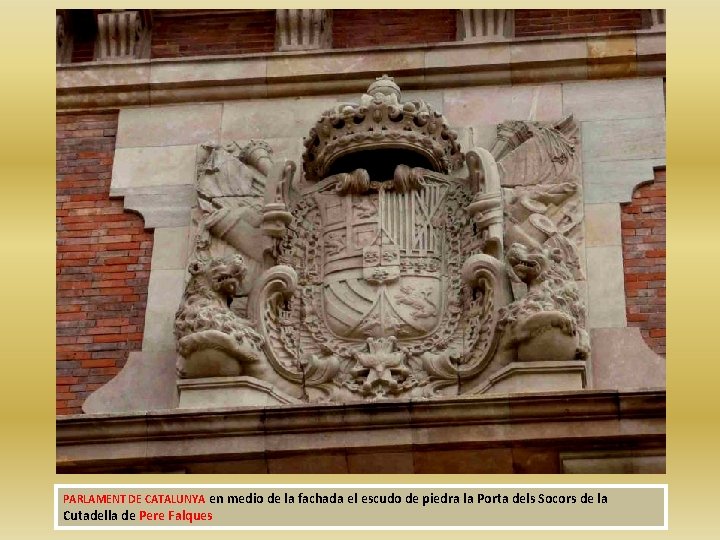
[382,262]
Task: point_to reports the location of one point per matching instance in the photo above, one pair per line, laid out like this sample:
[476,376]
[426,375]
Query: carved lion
[212,339]
[546,323]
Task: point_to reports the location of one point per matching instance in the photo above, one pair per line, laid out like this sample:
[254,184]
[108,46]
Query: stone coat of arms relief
[390,265]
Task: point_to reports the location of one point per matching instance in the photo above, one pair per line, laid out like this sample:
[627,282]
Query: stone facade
[330,238]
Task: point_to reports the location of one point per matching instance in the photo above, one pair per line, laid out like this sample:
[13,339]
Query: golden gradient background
[27,407]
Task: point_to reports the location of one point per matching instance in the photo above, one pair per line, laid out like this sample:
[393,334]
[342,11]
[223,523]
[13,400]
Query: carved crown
[381,121]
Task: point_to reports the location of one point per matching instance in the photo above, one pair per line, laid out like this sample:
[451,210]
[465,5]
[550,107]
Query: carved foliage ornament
[380,270]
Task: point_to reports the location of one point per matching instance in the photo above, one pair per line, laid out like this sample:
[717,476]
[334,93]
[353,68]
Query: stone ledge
[565,420]
[92,86]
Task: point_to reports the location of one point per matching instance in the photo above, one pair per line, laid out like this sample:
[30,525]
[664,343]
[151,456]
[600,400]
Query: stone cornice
[107,85]
[591,416]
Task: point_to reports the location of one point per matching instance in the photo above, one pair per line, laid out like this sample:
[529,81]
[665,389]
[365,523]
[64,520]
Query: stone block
[543,51]
[602,225]
[599,47]
[208,69]
[606,287]
[622,360]
[532,73]
[611,100]
[613,462]
[272,118]
[330,463]
[169,126]
[492,105]
[153,166]
[535,461]
[164,293]
[145,383]
[618,140]
[103,75]
[160,206]
[217,392]
[611,56]
[245,466]
[356,64]
[486,54]
[615,181]
[381,463]
[650,44]
[480,461]
[171,248]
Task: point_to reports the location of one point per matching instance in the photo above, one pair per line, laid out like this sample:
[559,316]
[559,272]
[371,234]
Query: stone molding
[597,418]
[103,85]
[485,24]
[123,34]
[303,29]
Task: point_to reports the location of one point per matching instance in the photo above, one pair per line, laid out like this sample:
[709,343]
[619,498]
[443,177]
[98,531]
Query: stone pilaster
[63,38]
[654,19]
[123,34]
[485,24]
[303,29]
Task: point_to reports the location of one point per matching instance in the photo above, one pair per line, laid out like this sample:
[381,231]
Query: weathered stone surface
[153,166]
[611,100]
[621,359]
[638,462]
[615,181]
[208,69]
[381,463]
[542,50]
[111,442]
[651,44]
[618,140]
[618,48]
[488,461]
[146,383]
[160,206]
[602,225]
[164,293]
[606,287]
[490,54]
[169,126]
[269,118]
[390,61]
[325,463]
[492,105]
[170,248]
[103,75]
[218,392]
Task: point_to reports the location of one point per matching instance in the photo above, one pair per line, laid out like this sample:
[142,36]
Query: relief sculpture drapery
[390,264]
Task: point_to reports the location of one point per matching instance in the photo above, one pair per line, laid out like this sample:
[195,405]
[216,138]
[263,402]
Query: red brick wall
[643,238]
[371,27]
[223,33]
[103,262]
[543,22]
